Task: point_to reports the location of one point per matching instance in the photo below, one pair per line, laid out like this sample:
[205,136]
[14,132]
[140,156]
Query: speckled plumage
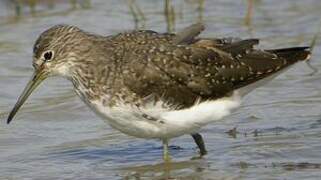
[134,65]
[144,82]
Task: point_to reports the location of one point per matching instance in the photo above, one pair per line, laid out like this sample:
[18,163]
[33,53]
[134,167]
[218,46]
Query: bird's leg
[166,155]
[200,143]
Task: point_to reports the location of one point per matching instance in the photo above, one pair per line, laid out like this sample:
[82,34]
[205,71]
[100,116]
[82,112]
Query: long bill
[36,79]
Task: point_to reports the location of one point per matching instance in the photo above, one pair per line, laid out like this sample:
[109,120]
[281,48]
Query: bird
[157,85]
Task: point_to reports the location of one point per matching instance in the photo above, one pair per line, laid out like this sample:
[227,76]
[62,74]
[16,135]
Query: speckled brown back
[205,69]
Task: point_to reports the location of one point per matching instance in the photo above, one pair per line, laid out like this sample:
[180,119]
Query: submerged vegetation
[25,8]
[172,10]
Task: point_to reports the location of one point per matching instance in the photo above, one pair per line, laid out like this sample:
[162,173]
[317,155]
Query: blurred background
[274,135]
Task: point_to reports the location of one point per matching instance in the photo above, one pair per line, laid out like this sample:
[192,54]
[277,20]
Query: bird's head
[54,53]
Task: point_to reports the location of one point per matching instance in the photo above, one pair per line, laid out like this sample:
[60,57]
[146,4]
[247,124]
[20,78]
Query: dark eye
[48,55]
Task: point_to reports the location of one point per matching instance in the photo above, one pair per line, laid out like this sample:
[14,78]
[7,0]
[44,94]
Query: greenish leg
[166,155]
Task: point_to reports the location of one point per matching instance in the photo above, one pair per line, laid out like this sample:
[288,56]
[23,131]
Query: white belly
[157,121]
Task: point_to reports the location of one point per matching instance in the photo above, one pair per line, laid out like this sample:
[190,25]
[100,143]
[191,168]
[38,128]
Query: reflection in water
[193,169]
[201,10]
[137,14]
[131,161]
[19,6]
[173,170]
[200,4]
[289,166]
[39,8]
[169,13]
[298,166]
[81,3]
[249,14]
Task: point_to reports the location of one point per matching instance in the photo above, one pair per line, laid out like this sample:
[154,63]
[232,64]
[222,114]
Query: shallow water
[55,136]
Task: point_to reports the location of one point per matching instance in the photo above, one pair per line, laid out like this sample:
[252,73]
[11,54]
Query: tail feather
[266,65]
[293,54]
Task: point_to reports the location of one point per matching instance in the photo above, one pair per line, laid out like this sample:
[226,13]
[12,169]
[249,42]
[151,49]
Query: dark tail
[293,54]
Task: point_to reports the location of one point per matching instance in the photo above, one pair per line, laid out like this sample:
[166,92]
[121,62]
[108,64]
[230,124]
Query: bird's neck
[96,81]
[97,76]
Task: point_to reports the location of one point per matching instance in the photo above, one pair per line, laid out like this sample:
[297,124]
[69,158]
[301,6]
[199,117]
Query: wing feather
[204,69]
